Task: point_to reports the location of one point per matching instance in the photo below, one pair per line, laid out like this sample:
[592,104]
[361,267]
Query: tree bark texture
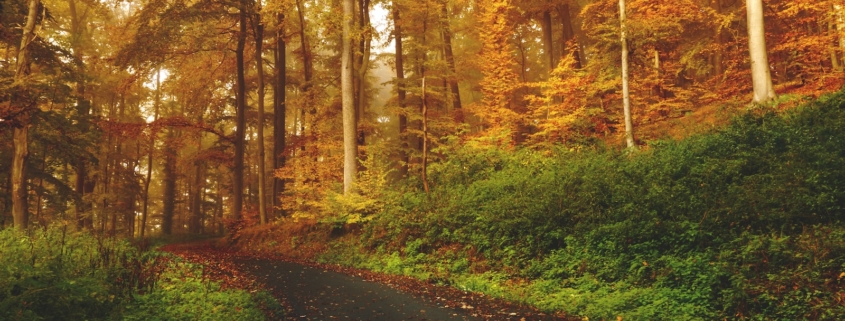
[626,99]
[20,134]
[400,90]
[450,61]
[350,142]
[240,132]
[761,75]
[279,114]
[259,66]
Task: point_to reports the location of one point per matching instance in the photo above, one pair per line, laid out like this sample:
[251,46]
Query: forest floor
[313,291]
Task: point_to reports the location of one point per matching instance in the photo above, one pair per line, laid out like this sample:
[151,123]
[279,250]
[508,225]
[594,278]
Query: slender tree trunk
[259,66]
[149,177]
[424,139]
[718,56]
[279,114]
[240,133]
[20,135]
[450,62]
[169,196]
[626,100]
[834,56]
[363,66]
[350,146]
[20,211]
[760,74]
[400,90]
[548,46]
[520,45]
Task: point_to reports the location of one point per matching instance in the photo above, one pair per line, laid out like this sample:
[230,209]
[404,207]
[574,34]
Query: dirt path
[311,291]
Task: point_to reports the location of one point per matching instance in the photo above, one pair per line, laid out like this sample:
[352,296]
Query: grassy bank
[57,274]
[741,223]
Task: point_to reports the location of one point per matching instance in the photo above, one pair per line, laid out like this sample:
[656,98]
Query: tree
[761,76]
[259,66]
[350,141]
[500,80]
[626,100]
[240,111]
[400,88]
[20,134]
[279,112]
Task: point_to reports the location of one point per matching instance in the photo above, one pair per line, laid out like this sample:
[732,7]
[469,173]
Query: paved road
[314,293]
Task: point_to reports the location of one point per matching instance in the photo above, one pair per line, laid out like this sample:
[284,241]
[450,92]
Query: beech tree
[760,74]
[350,142]
[626,99]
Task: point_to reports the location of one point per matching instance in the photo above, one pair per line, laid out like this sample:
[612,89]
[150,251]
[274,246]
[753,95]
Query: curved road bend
[312,293]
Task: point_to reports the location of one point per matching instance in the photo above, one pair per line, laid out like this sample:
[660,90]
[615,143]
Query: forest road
[314,293]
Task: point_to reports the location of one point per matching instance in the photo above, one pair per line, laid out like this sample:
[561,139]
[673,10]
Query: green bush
[57,274]
[183,294]
[746,222]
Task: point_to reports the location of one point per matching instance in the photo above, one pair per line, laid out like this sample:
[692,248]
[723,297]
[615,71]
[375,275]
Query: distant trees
[91,136]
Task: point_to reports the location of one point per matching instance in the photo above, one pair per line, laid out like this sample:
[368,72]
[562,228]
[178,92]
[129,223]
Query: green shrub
[745,222]
[57,274]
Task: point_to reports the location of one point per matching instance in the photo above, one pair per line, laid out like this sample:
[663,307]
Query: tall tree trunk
[350,146]
[718,56]
[839,11]
[400,89]
[20,134]
[259,66]
[761,76]
[279,114]
[626,99]
[450,62]
[363,66]
[424,139]
[569,35]
[149,177]
[240,132]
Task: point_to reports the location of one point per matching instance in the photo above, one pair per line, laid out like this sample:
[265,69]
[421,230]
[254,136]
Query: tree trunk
[718,56]
[569,35]
[761,76]
[400,90]
[548,46]
[350,146]
[20,135]
[169,196]
[196,206]
[259,66]
[149,177]
[279,114]
[363,67]
[424,139]
[240,132]
[450,61]
[626,101]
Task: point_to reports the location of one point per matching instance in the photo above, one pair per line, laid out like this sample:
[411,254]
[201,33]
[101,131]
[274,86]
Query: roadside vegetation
[57,274]
[744,222]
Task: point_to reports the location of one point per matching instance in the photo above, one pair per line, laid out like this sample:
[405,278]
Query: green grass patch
[58,274]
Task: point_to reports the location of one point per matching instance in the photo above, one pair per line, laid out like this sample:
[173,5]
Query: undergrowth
[57,274]
[741,223]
